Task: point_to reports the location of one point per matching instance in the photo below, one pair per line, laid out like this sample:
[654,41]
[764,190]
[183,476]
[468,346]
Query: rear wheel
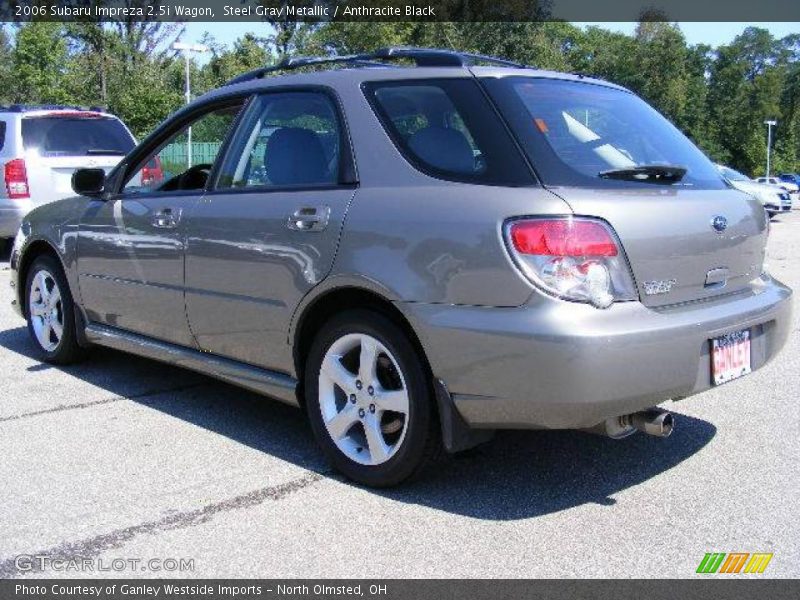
[369,400]
[50,312]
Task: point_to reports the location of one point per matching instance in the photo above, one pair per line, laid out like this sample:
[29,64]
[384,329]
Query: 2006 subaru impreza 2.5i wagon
[417,255]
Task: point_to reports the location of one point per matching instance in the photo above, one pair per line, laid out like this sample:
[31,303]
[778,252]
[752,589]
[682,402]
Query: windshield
[56,135]
[583,134]
[732,175]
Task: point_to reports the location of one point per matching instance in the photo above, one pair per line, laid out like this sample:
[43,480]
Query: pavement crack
[92,403]
[94,546]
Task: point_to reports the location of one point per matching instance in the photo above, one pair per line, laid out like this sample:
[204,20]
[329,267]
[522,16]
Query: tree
[694,121]
[748,83]
[143,38]
[6,65]
[606,54]
[95,45]
[661,57]
[147,97]
[248,53]
[40,62]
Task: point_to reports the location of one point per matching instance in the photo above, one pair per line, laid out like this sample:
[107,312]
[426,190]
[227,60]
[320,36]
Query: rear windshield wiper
[92,151]
[646,173]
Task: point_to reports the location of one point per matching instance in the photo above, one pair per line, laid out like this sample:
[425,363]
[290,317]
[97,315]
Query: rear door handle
[166,218]
[309,218]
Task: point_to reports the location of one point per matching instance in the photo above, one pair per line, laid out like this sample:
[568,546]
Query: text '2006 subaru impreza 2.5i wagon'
[418,248]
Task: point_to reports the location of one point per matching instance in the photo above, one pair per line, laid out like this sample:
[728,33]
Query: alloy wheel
[46,310]
[363,399]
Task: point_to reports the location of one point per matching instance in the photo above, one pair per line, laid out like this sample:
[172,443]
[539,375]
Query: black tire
[421,443]
[67,350]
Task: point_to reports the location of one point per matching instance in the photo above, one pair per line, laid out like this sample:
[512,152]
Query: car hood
[753,187]
[783,185]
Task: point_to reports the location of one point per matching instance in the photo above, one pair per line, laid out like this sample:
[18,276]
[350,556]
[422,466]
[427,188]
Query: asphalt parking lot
[125,458]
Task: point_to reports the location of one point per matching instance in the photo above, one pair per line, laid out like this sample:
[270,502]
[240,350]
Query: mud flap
[457,435]
[80,327]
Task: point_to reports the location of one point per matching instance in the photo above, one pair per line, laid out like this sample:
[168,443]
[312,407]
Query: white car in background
[790,187]
[42,146]
[774,199]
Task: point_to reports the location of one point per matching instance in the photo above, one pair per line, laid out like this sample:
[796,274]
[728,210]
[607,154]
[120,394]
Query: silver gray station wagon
[419,247]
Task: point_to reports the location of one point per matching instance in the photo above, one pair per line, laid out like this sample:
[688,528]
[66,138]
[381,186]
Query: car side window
[285,139]
[184,161]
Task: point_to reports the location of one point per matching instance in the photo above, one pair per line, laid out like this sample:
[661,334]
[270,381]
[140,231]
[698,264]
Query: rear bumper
[557,364]
[11,216]
[775,209]
[780,205]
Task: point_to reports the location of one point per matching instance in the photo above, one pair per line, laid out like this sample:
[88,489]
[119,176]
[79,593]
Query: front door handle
[166,218]
[309,218]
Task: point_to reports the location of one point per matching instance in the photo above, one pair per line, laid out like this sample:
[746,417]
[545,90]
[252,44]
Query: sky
[714,34]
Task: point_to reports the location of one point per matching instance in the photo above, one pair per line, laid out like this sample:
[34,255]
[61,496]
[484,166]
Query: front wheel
[50,312]
[369,399]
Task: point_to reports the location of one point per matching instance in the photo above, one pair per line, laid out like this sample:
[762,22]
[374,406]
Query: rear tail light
[573,258]
[16,177]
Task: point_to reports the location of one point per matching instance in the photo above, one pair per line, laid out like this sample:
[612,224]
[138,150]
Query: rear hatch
[688,234]
[59,142]
[674,250]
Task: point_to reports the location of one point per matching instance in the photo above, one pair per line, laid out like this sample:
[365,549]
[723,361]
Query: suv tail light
[573,258]
[16,179]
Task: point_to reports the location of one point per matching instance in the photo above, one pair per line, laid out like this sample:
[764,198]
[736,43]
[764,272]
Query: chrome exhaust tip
[653,421]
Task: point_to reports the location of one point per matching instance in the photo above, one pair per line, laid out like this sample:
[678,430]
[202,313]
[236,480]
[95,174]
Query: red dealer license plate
[730,356]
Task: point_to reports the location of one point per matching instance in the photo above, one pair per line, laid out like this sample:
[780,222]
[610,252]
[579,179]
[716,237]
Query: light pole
[770,124]
[187,49]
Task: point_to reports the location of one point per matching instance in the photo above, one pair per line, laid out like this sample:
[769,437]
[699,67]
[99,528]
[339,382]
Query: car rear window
[584,134]
[75,135]
[448,129]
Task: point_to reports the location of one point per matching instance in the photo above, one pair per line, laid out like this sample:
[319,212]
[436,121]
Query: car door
[131,246]
[267,231]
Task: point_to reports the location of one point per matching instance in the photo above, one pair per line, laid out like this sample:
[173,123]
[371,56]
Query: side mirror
[88,182]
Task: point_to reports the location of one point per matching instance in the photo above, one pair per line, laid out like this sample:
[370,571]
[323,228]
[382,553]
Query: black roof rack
[422,57]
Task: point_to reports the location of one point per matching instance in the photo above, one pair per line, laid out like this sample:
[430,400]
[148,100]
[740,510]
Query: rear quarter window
[448,129]
[58,135]
[2,135]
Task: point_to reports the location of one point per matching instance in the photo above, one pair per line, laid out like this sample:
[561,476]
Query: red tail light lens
[563,237]
[16,177]
[574,258]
